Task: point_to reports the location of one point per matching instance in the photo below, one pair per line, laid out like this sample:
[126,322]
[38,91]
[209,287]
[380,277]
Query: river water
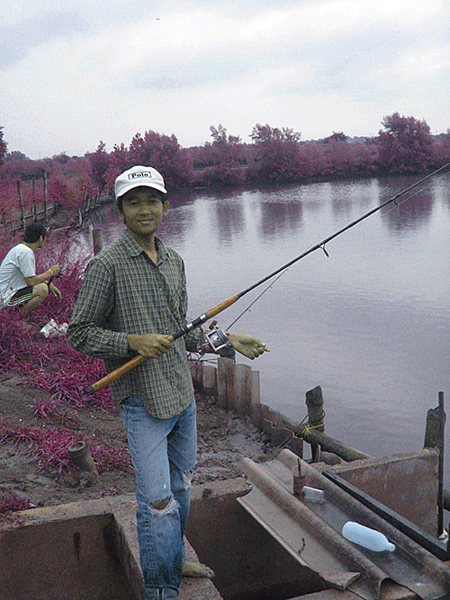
[369,323]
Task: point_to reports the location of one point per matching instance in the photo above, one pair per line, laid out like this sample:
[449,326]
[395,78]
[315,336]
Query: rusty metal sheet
[312,533]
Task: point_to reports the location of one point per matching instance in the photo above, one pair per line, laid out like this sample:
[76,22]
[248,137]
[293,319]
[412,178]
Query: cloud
[421,63]
[106,70]
[17,40]
[185,33]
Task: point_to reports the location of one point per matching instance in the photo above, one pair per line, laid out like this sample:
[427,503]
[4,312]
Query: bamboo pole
[327,443]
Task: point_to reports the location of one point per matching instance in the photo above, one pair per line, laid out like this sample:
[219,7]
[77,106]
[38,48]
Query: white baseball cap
[137,176]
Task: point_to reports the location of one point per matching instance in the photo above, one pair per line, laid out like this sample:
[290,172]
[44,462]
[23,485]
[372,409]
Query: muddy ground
[223,439]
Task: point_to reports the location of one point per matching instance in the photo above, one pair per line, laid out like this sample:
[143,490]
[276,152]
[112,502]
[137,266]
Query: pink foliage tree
[346,159]
[222,159]
[405,145]
[3,147]
[99,163]
[165,154]
[441,150]
[277,154]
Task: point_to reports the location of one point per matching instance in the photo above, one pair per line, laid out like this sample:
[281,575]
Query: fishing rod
[212,312]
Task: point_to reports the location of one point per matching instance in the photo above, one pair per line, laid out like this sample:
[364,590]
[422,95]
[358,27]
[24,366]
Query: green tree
[405,145]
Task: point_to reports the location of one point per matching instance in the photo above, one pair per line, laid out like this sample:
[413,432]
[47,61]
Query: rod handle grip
[212,312]
[131,364]
[137,360]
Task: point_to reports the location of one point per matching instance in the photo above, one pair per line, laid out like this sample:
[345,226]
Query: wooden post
[434,438]
[97,240]
[22,216]
[222,367]
[314,402]
[440,498]
[45,196]
[84,206]
[255,400]
[34,200]
[242,389]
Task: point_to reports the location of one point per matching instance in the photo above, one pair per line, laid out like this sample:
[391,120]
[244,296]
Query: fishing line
[256,299]
[390,209]
[414,194]
[212,312]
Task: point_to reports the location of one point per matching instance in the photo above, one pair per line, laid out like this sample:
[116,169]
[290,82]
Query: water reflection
[276,218]
[229,221]
[413,210]
[347,197]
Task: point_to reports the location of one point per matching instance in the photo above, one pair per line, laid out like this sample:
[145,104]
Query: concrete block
[80,550]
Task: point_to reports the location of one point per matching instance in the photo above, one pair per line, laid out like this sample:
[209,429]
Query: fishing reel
[216,340]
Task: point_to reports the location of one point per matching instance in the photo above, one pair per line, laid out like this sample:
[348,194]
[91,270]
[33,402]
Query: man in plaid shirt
[134,296]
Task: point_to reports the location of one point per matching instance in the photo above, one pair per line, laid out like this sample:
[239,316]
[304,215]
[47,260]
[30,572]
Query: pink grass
[48,448]
[11,503]
[52,366]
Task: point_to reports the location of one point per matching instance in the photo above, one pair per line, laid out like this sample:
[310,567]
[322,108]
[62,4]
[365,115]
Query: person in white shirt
[19,284]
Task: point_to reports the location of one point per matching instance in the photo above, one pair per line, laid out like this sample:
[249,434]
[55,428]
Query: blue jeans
[163,452]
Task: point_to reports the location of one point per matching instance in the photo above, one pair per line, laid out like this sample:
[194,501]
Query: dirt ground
[223,439]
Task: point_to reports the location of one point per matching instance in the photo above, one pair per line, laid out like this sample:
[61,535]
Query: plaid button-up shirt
[124,292]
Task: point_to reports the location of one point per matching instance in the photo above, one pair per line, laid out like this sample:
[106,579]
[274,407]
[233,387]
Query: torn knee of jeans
[163,507]
[187,478]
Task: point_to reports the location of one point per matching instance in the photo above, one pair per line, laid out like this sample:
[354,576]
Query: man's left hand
[54,290]
[247,345]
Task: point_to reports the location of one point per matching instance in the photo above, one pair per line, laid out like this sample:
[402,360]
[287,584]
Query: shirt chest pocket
[158,289]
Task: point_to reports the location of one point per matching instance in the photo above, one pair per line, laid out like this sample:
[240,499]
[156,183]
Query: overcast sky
[77,72]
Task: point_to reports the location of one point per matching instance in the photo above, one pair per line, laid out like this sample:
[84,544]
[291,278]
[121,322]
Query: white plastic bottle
[364,536]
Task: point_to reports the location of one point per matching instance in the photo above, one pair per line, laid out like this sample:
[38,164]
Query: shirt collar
[135,250]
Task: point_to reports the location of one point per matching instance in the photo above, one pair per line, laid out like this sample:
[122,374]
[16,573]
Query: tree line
[403,146]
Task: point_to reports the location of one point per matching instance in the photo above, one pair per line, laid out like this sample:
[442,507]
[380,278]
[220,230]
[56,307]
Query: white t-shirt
[17,264]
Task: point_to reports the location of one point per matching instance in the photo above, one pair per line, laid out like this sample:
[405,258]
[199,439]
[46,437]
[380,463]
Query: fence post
[97,240]
[34,200]
[45,196]
[19,189]
[434,438]
[314,402]
[242,389]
